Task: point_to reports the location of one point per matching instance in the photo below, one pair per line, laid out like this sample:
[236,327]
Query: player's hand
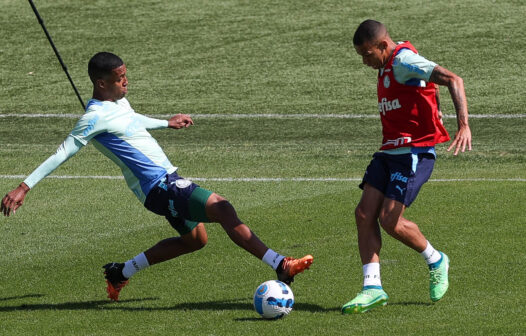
[14,199]
[180,121]
[462,140]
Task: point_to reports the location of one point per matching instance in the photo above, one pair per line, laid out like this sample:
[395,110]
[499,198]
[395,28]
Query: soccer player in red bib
[409,109]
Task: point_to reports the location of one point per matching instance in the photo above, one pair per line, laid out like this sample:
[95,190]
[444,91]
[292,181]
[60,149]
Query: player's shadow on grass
[313,308]
[238,304]
[21,297]
[235,304]
[81,305]
[410,303]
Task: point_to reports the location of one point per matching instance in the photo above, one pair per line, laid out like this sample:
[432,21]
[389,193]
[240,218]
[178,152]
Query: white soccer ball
[273,299]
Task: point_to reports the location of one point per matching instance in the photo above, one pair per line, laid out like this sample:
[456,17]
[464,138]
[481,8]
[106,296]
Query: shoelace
[435,276]
[287,265]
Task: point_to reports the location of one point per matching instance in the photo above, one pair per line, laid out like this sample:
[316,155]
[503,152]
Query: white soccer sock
[430,254]
[272,259]
[371,275]
[134,265]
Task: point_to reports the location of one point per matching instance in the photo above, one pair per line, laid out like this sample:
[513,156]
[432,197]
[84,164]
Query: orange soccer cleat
[289,267]
[114,279]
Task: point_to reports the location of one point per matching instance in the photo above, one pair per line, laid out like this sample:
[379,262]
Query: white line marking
[268,116]
[268,179]
[273,179]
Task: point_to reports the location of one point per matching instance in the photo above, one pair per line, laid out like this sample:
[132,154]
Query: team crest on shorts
[183,183]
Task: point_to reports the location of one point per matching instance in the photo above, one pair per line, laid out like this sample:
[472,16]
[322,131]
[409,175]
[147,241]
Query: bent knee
[363,217]
[219,209]
[196,243]
[218,203]
[200,242]
[197,239]
[359,214]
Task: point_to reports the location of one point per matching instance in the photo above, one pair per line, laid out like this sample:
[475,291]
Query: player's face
[372,54]
[116,86]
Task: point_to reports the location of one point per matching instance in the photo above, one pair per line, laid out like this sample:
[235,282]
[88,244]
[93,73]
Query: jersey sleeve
[67,149]
[409,67]
[151,123]
[88,126]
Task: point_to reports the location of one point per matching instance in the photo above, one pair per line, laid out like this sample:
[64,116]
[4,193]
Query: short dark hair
[368,31]
[101,65]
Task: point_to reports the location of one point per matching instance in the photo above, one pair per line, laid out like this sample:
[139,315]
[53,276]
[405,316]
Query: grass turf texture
[258,57]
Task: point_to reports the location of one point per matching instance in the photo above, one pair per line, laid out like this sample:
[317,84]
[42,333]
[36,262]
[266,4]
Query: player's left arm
[151,123]
[455,85]
[177,121]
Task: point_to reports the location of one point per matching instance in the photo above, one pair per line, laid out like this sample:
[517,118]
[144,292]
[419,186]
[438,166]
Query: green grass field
[226,58]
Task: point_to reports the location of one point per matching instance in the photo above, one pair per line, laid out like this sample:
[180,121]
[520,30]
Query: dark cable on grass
[56,52]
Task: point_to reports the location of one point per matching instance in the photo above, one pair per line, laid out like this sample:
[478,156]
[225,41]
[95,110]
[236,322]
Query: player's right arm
[14,199]
[437,94]
[85,129]
[455,85]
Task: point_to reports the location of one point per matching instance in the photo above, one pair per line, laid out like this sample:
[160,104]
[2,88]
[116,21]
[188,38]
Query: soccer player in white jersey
[411,127]
[121,134]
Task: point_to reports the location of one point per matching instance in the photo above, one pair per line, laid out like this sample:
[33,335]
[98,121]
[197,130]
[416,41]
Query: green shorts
[180,201]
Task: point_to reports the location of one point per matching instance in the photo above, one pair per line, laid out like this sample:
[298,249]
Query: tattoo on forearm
[459,101]
[437,95]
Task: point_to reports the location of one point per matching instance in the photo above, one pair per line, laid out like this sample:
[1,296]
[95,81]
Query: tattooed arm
[437,95]
[455,85]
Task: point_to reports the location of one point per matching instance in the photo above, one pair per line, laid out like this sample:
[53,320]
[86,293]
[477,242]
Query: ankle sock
[431,255]
[134,265]
[371,276]
[272,258]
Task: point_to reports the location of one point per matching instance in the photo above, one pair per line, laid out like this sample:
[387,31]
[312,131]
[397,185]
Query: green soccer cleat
[438,278]
[366,300]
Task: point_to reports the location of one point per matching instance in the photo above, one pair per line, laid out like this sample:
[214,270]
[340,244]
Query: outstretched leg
[221,211]
[218,209]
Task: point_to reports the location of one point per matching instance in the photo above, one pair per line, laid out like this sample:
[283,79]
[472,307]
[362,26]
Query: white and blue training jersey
[120,134]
